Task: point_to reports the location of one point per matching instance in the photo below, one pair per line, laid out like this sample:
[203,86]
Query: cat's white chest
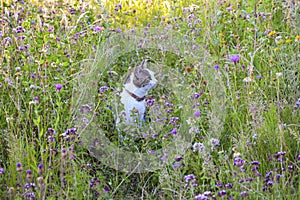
[133,109]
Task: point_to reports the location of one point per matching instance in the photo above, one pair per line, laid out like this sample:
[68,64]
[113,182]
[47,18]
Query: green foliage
[43,45]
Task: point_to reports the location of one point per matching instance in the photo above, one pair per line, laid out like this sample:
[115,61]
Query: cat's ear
[138,69]
[144,64]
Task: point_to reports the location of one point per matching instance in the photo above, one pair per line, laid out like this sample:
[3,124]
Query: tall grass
[256,153]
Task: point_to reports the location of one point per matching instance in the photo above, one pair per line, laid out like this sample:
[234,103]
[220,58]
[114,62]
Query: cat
[133,95]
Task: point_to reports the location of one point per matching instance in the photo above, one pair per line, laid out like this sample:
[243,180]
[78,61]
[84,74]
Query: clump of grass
[252,152]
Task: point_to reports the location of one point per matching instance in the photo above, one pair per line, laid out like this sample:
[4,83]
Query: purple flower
[244,194]
[228,185]
[238,162]
[2,170]
[197,113]
[174,131]
[215,142]
[41,166]
[18,165]
[222,193]
[106,189]
[219,185]
[200,197]
[103,89]
[28,172]
[58,87]
[189,177]
[98,28]
[234,58]
[270,182]
[255,163]
[198,146]
[150,101]
[217,67]
[197,95]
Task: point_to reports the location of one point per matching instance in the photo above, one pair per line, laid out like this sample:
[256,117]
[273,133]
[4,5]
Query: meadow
[228,75]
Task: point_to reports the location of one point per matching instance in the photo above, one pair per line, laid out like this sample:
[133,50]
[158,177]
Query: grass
[244,143]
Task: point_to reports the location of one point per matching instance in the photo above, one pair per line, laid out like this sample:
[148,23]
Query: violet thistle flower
[200,197]
[106,189]
[2,170]
[198,146]
[64,153]
[238,162]
[28,174]
[234,58]
[222,193]
[58,87]
[40,168]
[103,89]
[174,131]
[197,113]
[244,194]
[228,185]
[215,142]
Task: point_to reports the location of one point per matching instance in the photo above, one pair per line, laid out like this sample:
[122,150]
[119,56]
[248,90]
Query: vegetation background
[254,47]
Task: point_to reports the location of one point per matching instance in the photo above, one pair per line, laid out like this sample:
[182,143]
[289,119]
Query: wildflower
[150,101]
[234,58]
[2,170]
[198,146]
[98,28]
[228,185]
[173,120]
[244,194]
[207,193]
[270,182]
[174,131]
[238,162]
[40,180]
[176,165]
[297,37]
[29,195]
[197,95]
[103,89]
[247,80]
[19,167]
[64,153]
[222,193]
[272,33]
[200,197]
[40,168]
[106,189]
[276,49]
[278,75]
[288,40]
[58,87]
[215,142]
[255,163]
[28,173]
[197,113]
[189,177]
[219,185]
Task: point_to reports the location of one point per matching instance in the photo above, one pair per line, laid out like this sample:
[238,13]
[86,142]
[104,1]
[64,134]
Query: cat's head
[142,77]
